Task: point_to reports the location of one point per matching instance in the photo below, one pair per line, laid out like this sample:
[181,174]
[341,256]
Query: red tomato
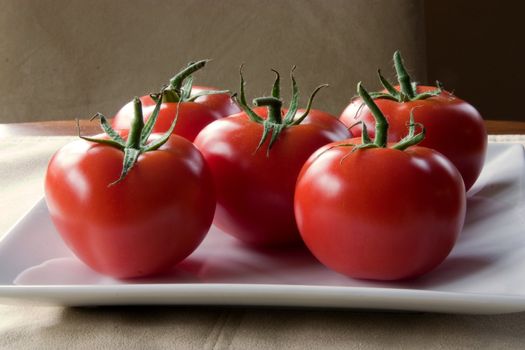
[192,118]
[454,127]
[194,112]
[379,213]
[221,104]
[144,224]
[255,190]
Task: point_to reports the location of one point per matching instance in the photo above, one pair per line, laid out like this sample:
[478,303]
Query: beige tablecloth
[22,165]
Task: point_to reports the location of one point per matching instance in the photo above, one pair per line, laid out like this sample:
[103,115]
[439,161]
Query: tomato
[155,214]
[255,191]
[192,117]
[453,127]
[195,106]
[221,104]
[379,213]
[255,180]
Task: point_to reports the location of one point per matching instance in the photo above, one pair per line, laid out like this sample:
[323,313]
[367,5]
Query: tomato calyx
[277,121]
[381,127]
[137,140]
[407,88]
[179,87]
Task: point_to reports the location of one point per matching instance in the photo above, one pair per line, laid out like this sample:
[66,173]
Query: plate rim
[489,303]
[227,294]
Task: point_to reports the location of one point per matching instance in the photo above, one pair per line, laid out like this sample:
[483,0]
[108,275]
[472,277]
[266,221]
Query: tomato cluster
[194,106]
[379,193]
[394,211]
[454,127]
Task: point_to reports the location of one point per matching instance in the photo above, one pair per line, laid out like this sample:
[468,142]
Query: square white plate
[485,273]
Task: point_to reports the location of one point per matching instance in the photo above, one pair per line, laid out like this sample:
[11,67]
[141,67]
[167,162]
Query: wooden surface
[68,127]
[498,127]
[51,128]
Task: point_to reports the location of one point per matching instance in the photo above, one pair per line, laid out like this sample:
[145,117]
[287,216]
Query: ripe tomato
[199,106]
[453,127]
[221,104]
[144,223]
[255,180]
[193,117]
[379,213]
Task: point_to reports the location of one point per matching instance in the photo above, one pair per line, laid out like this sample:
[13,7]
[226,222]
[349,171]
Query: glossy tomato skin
[193,116]
[255,191]
[379,214]
[453,127]
[220,104]
[144,224]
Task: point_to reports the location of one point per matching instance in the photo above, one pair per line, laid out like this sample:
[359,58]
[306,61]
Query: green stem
[177,80]
[106,127]
[276,90]
[388,87]
[170,96]
[365,138]
[137,124]
[241,101]
[294,102]
[381,128]
[137,142]
[405,82]
[412,138]
[275,123]
[308,105]
[192,98]
[274,108]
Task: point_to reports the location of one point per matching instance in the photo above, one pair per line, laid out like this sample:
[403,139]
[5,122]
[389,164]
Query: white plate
[485,273]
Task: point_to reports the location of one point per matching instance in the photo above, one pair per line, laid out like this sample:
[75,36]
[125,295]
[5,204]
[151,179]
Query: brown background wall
[68,59]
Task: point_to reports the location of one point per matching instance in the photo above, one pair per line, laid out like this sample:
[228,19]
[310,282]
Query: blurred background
[69,59]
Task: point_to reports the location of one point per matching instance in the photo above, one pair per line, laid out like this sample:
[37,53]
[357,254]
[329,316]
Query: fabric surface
[22,167]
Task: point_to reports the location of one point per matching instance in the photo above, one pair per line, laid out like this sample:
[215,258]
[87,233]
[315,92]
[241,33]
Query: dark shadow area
[475,49]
